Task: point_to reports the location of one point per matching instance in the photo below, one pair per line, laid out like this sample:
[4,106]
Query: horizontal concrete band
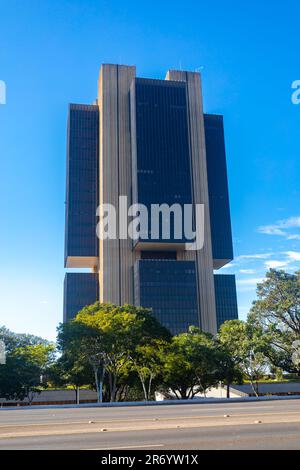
[205,401]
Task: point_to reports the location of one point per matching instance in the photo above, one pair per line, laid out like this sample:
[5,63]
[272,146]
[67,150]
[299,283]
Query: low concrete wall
[269,388]
[55,397]
[194,401]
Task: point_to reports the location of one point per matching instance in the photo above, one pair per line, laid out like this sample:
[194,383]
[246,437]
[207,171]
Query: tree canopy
[24,372]
[276,313]
[106,336]
[191,364]
[123,351]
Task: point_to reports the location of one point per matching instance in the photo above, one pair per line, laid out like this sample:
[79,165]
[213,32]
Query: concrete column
[115,264]
[204,260]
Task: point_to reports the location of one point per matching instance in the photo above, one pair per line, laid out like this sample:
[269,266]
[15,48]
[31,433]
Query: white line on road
[233,408]
[128,447]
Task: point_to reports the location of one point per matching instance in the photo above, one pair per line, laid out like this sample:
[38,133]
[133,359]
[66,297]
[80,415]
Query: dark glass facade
[151,134]
[159,255]
[82,181]
[218,188]
[80,289]
[169,288]
[163,162]
[226,299]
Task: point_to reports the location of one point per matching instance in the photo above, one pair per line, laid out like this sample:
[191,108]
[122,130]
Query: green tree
[25,371]
[277,313]
[84,344]
[245,345]
[191,364]
[129,386]
[148,362]
[69,370]
[14,340]
[229,370]
[107,335]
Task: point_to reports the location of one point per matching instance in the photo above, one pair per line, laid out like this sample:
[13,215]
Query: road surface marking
[131,421]
[128,447]
[233,408]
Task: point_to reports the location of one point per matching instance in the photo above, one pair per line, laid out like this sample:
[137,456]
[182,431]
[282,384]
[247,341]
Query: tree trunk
[178,397]
[228,390]
[203,389]
[149,387]
[110,379]
[99,384]
[144,388]
[113,391]
[30,398]
[253,388]
[100,397]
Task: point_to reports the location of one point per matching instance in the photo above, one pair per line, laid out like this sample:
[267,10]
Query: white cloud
[293,237]
[293,255]
[254,256]
[291,222]
[274,264]
[248,285]
[280,228]
[251,281]
[247,271]
[271,230]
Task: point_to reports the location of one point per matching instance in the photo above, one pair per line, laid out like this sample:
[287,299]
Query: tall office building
[148,140]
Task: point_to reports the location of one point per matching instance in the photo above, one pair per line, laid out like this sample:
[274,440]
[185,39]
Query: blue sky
[50,54]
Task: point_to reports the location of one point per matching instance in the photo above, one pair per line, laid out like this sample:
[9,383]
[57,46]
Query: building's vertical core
[116,257]
[154,145]
[204,260]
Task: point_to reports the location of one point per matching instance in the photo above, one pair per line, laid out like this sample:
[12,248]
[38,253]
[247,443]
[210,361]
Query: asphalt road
[256,425]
